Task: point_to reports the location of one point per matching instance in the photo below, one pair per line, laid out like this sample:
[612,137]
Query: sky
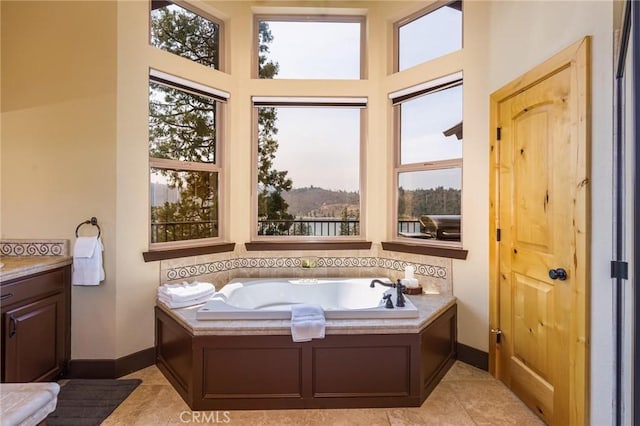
[314,50]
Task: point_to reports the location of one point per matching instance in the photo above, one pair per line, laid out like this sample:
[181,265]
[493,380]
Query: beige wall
[58,134]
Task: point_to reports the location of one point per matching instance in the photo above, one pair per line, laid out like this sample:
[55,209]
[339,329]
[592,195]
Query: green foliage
[194,214]
[266,69]
[182,127]
[186,34]
[313,201]
[273,210]
[346,216]
[440,200]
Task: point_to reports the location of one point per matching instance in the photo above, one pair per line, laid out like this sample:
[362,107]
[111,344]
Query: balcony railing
[408,226]
[309,227]
[178,231]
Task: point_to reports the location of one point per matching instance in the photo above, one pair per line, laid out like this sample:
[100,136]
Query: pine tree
[182,127]
[273,210]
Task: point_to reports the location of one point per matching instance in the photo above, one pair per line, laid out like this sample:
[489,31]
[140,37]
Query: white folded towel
[175,305]
[185,291]
[307,322]
[87,261]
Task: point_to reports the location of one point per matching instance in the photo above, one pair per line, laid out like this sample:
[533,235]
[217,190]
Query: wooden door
[539,253]
[34,341]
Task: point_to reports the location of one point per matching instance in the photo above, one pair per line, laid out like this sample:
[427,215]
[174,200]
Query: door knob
[558,274]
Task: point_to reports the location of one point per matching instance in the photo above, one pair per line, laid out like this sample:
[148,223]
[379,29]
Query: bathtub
[351,298]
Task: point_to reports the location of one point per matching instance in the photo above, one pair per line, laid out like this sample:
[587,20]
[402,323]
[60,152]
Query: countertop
[430,306]
[21,266]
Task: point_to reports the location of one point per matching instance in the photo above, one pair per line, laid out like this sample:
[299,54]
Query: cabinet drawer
[32,287]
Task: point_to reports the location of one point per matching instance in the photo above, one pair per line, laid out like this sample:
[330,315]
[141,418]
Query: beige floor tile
[353,417]
[149,376]
[466,396]
[440,408]
[489,402]
[462,371]
[416,416]
[149,405]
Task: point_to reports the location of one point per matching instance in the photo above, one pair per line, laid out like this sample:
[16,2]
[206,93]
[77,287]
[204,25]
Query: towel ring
[93,221]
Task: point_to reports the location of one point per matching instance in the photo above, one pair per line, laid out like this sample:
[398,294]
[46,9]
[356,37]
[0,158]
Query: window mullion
[165,163]
[431,165]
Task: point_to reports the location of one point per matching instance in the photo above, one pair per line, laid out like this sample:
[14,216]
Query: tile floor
[466,396]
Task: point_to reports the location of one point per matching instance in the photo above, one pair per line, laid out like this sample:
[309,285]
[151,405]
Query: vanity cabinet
[36,319]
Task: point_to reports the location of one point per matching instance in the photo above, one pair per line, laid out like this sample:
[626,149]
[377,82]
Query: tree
[273,210]
[182,127]
[346,216]
[184,33]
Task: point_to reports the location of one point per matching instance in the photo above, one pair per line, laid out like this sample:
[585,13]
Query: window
[300,47]
[428,170]
[184,146]
[185,33]
[308,159]
[426,36]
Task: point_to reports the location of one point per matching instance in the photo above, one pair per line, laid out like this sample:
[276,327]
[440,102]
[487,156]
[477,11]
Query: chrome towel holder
[93,221]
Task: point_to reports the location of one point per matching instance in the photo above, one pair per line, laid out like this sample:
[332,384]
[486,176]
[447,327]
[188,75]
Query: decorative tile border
[182,272]
[34,247]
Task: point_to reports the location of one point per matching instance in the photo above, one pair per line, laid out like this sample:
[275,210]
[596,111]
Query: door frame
[576,57]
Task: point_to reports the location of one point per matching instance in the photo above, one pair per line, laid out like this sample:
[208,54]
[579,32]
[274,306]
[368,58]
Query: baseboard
[473,356]
[111,368]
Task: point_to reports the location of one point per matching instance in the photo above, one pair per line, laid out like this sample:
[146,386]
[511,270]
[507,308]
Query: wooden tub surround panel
[214,372]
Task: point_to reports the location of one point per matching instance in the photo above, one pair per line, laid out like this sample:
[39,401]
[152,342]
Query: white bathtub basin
[272,299]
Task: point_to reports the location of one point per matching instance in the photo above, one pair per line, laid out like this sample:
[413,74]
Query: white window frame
[310,18]
[220,97]
[205,15]
[396,99]
[275,101]
[414,17]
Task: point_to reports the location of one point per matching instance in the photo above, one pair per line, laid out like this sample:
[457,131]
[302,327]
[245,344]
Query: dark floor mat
[89,402]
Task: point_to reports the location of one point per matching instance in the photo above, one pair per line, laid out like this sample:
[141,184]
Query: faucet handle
[389,303]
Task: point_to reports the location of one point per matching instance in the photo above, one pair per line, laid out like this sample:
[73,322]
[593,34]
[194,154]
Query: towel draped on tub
[307,322]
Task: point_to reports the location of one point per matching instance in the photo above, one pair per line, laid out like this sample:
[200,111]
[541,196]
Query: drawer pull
[6,296]
[13,326]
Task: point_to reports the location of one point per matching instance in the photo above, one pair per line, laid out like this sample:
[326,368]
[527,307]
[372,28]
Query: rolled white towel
[175,305]
[186,291]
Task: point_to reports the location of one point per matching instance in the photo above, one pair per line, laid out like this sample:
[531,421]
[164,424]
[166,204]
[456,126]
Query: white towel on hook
[307,322]
[87,261]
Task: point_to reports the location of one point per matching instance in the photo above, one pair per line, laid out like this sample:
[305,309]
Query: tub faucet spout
[373,283]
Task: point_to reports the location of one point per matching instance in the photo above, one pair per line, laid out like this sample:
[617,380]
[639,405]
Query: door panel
[540,207]
[34,342]
[533,205]
[533,226]
[532,320]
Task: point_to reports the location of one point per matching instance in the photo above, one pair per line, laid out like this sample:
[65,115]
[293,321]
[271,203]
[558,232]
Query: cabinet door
[34,341]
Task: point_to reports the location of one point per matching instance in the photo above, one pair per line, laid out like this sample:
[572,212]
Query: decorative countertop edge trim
[150,256]
[448,252]
[306,245]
